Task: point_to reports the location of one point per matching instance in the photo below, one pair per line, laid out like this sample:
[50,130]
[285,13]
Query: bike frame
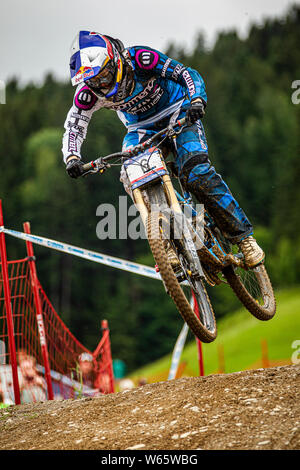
[176,201]
[186,200]
[214,255]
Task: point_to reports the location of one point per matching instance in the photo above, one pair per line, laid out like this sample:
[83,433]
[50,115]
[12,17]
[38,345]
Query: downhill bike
[202,254]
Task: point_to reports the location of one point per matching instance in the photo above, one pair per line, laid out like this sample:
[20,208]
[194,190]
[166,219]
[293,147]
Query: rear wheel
[251,286]
[254,289]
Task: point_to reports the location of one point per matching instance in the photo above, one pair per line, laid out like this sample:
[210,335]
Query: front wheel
[204,327]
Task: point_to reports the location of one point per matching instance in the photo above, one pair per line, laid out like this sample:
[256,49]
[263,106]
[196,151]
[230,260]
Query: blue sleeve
[149,61]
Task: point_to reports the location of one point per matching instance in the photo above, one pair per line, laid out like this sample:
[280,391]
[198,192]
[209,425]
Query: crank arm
[235,261]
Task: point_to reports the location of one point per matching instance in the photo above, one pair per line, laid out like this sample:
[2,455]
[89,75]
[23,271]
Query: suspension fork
[170,195]
[141,205]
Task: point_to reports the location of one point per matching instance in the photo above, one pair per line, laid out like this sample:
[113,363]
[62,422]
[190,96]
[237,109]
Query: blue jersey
[160,87]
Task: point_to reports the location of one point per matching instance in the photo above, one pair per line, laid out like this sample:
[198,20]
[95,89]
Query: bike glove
[74,167]
[196,111]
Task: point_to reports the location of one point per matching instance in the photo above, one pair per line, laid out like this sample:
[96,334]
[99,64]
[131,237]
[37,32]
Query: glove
[196,111]
[74,167]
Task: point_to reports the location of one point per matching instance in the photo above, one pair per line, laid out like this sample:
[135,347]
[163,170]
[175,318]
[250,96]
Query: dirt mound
[257,409]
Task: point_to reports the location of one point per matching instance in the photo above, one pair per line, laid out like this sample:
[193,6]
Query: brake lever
[99,166]
[92,171]
[170,131]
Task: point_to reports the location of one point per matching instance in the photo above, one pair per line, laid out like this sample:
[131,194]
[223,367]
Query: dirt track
[257,409]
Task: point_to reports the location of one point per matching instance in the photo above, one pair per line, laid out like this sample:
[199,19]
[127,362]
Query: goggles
[103,79]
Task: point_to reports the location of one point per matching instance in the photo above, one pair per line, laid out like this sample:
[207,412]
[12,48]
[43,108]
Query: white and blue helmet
[96,61]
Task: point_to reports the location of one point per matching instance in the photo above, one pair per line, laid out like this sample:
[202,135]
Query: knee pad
[201,160]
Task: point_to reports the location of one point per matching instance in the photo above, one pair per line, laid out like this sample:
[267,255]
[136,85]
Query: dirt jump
[253,409]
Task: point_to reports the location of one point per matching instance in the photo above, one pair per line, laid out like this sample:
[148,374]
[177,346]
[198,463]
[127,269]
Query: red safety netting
[48,362]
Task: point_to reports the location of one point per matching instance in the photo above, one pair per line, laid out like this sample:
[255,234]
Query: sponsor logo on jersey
[148,103]
[75,128]
[177,71]
[85,98]
[146,59]
[165,67]
[189,81]
[72,142]
[146,98]
[80,116]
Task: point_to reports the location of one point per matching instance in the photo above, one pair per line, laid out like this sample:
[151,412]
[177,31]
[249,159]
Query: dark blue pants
[199,177]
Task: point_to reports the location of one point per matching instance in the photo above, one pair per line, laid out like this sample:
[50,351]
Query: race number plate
[145,168]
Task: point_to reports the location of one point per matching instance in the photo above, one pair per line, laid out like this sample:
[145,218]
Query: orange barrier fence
[40,358]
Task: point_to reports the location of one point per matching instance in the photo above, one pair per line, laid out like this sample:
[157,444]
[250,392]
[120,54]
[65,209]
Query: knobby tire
[172,285]
[260,282]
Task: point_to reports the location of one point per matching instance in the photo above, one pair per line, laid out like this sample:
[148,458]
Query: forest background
[252,125]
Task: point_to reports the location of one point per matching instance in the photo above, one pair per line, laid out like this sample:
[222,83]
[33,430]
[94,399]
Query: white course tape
[178,351]
[178,348]
[87,254]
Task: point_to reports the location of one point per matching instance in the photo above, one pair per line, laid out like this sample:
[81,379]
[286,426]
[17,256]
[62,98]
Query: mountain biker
[147,89]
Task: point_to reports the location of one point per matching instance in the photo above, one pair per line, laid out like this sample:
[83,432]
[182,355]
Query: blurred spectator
[142,381]
[58,396]
[126,384]
[22,355]
[88,374]
[32,385]
[7,390]
[2,404]
[103,382]
[86,370]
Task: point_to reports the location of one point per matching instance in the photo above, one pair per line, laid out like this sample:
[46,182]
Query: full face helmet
[96,61]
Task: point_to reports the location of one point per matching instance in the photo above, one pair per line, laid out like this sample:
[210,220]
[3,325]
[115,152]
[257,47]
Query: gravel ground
[256,409]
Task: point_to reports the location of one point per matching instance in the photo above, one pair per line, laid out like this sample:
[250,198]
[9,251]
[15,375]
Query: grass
[240,336]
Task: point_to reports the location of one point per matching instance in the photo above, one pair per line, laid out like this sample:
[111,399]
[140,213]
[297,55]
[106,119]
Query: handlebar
[100,164]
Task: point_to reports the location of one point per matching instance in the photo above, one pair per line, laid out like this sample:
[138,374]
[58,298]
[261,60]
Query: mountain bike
[188,247]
